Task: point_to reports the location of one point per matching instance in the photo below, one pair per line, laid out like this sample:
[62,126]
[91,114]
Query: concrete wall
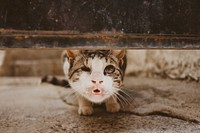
[175,64]
[30,62]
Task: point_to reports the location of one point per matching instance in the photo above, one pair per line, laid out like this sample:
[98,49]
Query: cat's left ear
[120,55]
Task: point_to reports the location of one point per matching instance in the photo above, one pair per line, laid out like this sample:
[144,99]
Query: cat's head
[95,74]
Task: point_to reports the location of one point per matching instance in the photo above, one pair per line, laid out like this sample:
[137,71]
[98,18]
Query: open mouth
[97,91]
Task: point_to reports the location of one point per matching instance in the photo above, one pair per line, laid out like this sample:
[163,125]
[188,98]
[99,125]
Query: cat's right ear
[69,55]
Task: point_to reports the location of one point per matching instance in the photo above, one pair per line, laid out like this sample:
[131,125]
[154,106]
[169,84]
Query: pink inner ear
[121,54]
[70,54]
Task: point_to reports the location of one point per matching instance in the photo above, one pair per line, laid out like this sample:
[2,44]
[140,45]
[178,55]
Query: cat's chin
[97,98]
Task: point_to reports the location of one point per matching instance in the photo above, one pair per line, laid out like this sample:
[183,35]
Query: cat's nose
[97,78]
[97,81]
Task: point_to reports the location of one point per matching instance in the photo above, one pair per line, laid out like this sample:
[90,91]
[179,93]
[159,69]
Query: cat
[96,76]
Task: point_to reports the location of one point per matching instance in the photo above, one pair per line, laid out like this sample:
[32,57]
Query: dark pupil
[109,69]
[84,68]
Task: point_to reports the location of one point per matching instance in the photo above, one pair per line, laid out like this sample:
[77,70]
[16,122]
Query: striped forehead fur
[99,53]
[107,54]
[81,59]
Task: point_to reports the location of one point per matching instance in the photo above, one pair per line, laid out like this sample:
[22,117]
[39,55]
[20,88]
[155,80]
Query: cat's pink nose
[97,81]
[96,78]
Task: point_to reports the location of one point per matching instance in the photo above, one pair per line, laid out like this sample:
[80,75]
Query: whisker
[121,103]
[124,92]
[122,98]
[125,100]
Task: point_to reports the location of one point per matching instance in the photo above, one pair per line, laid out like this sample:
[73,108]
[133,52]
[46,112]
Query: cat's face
[96,75]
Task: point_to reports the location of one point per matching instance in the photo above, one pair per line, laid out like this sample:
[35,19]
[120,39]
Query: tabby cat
[96,76]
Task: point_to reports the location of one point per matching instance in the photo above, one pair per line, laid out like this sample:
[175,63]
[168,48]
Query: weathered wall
[30,62]
[174,64]
[128,16]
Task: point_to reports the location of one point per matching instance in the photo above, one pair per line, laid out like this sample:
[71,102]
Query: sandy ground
[26,106]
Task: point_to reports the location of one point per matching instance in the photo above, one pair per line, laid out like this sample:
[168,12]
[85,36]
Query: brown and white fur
[96,76]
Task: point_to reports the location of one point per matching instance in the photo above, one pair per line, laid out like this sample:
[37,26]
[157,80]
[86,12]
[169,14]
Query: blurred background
[174,64]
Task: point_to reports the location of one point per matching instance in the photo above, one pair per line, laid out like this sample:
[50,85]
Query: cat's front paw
[114,107]
[85,110]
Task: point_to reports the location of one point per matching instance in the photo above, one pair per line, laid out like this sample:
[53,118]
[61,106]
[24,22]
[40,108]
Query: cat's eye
[86,69]
[109,69]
